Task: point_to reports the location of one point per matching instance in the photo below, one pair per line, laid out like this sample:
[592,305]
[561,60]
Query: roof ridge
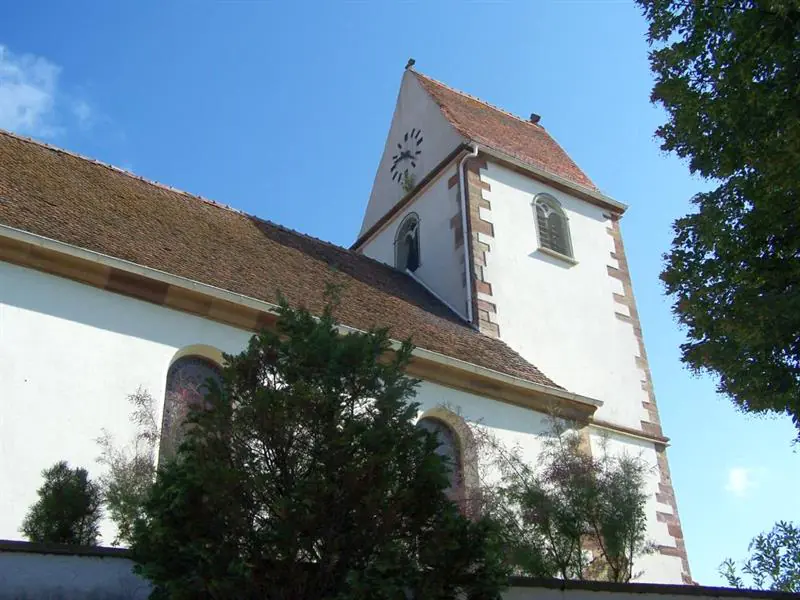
[119,170]
[452,110]
[222,206]
[476,99]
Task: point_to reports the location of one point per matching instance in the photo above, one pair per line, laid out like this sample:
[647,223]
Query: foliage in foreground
[774,563]
[130,471]
[728,75]
[569,502]
[68,510]
[305,477]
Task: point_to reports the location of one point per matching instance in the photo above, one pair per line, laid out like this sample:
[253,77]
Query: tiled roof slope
[56,194]
[496,128]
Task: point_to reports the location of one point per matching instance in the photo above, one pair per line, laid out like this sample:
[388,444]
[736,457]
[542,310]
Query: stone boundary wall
[31,571]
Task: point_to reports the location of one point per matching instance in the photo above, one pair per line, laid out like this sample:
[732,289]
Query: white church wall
[655,567]
[441,263]
[512,426]
[525,429]
[70,355]
[414,110]
[558,315]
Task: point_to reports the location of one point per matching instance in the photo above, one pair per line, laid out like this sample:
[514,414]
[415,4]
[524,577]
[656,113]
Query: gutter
[503,378]
[131,267]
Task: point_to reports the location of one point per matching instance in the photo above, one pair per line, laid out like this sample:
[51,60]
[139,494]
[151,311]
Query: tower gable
[419,139]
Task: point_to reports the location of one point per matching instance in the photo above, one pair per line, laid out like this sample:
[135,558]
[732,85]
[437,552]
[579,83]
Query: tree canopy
[727,72]
[569,502]
[130,470]
[774,563]
[305,477]
[68,510]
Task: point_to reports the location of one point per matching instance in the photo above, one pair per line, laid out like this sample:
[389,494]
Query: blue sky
[280,108]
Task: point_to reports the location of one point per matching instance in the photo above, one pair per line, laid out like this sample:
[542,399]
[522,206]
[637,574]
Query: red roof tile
[490,126]
[58,195]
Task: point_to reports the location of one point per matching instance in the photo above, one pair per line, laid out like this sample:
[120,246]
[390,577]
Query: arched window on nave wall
[187,386]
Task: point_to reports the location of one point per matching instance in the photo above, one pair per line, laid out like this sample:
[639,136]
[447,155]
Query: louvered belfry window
[552,226]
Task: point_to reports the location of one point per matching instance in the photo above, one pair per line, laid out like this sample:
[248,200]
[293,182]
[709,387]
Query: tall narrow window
[406,244]
[552,225]
[187,386]
[448,449]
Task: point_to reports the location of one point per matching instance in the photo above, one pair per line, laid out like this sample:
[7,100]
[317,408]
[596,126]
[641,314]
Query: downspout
[463,188]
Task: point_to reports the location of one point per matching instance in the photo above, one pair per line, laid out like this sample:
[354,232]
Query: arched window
[187,386]
[552,225]
[448,449]
[406,244]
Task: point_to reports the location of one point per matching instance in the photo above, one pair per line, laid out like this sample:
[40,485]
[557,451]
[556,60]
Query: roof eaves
[84,254]
[545,174]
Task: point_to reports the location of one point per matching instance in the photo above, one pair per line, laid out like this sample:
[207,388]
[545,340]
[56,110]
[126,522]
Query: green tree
[728,75]
[774,563]
[68,509]
[305,477]
[567,504]
[130,471]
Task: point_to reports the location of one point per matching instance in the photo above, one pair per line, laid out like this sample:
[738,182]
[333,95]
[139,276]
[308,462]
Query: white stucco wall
[70,355]
[557,315]
[511,425]
[414,110]
[441,263]
[655,568]
[514,426]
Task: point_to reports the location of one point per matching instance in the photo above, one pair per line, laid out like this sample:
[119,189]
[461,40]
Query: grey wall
[38,572]
[34,576]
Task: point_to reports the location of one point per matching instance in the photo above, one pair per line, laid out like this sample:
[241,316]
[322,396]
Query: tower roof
[493,127]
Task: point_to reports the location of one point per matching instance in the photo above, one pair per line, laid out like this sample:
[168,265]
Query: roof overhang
[124,277]
[583,192]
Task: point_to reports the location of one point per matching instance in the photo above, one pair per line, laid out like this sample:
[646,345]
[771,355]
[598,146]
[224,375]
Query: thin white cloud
[740,481]
[83,113]
[28,89]
[34,102]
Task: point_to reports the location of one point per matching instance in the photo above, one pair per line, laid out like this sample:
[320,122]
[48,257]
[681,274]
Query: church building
[482,241]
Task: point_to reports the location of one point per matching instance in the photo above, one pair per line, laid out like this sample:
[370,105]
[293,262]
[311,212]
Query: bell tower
[494,218]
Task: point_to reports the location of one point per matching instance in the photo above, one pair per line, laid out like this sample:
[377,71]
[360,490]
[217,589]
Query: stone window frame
[173,414]
[457,476]
[467,495]
[411,217]
[552,204]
